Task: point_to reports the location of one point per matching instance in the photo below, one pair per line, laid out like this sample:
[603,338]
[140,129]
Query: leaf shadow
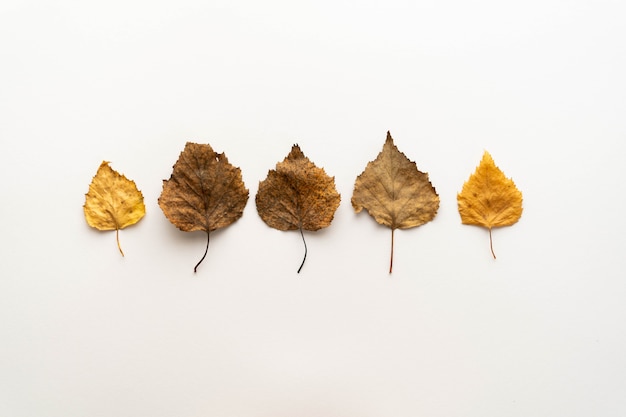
[189,245]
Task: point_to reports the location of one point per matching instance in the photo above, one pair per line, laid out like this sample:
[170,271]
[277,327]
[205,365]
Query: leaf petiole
[391,257]
[491,244]
[305,250]
[117,237]
[195,268]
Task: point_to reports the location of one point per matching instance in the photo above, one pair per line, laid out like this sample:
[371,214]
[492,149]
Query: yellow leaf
[204,193]
[297,195]
[489,199]
[113,202]
[395,192]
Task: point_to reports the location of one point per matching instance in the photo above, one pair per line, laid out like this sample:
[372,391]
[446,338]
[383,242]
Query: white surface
[539,332]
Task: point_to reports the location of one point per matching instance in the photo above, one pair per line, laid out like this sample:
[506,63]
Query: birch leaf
[489,199]
[394,192]
[204,193]
[297,195]
[113,202]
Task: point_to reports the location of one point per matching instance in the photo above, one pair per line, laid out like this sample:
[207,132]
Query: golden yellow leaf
[489,199]
[205,192]
[297,195]
[394,192]
[113,202]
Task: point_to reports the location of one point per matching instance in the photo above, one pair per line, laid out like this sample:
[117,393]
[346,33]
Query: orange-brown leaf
[394,192]
[489,199]
[297,195]
[205,192]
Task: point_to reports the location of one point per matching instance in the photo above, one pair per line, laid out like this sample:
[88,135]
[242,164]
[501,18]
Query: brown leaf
[489,199]
[395,192]
[113,202]
[205,192]
[297,195]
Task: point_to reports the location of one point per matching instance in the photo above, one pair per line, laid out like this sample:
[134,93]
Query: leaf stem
[491,244]
[305,250]
[195,268]
[117,237]
[391,257]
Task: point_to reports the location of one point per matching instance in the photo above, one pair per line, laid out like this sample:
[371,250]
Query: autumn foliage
[297,195]
[394,192]
[113,202]
[489,199]
[204,193]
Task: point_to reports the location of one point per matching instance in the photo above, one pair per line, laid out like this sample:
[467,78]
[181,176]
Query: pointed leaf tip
[295,153]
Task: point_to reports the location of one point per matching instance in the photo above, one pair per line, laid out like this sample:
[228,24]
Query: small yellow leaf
[113,202]
[489,199]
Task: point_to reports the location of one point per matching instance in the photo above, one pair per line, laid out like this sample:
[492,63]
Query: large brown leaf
[205,192]
[394,192]
[489,199]
[297,195]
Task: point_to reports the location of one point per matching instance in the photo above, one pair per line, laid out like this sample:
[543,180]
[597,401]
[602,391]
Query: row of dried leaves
[206,192]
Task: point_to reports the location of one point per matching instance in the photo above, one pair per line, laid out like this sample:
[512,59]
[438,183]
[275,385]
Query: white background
[540,331]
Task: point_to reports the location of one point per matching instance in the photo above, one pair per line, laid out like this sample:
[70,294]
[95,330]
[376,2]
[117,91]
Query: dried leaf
[297,196]
[205,192]
[395,192]
[113,202]
[489,199]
